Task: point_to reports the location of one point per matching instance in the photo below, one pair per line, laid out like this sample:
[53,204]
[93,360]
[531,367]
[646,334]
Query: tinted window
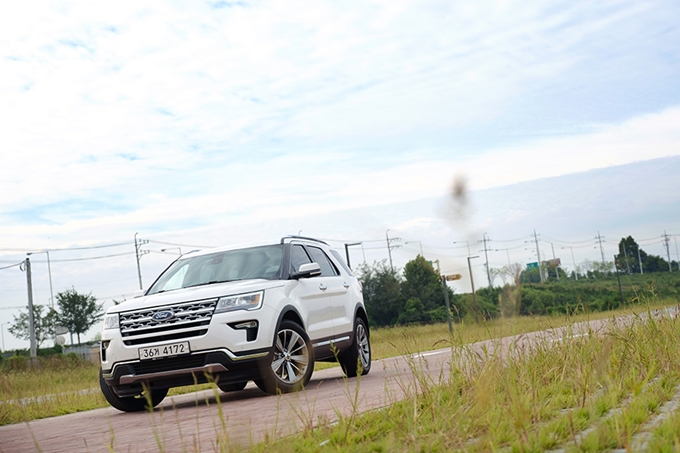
[318,256]
[298,257]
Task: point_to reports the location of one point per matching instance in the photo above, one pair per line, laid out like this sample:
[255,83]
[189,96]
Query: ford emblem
[162,315]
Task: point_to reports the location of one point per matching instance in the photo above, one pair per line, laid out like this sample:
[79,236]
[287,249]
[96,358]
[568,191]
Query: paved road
[192,423]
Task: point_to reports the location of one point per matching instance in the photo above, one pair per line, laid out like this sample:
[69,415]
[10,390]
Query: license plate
[166,350]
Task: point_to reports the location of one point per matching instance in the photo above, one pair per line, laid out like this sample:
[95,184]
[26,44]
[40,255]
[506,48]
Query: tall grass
[587,393]
[65,387]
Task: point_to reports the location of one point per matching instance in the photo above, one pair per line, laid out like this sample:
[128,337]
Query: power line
[512,240]
[182,245]
[65,249]
[560,241]
[86,258]
[13,265]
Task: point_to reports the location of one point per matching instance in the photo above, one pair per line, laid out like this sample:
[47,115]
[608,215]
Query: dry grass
[49,391]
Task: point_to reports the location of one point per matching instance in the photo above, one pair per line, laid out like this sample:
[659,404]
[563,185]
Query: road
[192,422]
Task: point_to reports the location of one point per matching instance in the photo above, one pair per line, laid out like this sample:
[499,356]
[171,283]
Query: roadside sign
[453,277]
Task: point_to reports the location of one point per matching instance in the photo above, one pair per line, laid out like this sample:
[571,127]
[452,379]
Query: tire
[233,387]
[130,403]
[357,359]
[292,361]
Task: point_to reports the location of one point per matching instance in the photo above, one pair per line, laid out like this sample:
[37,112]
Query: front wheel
[131,403]
[357,359]
[292,361]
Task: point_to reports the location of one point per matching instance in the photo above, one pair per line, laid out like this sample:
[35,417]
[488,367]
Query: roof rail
[292,236]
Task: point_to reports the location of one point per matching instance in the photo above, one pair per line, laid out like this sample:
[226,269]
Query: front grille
[169,364]
[189,319]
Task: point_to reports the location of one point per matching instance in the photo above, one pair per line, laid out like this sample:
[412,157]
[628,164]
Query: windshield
[244,264]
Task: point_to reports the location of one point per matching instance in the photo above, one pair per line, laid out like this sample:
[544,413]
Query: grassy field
[620,390]
[65,387]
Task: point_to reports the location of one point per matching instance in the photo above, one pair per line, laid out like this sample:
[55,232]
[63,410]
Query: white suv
[263,313]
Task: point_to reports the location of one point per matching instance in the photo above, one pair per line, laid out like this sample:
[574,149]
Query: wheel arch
[290,313]
[360,312]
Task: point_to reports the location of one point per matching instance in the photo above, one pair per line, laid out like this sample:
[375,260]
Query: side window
[298,257]
[341,260]
[318,256]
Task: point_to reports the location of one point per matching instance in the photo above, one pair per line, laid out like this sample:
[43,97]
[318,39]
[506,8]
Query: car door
[312,295]
[338,292]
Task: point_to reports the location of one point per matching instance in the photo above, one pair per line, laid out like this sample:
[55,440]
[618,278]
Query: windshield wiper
[210,283]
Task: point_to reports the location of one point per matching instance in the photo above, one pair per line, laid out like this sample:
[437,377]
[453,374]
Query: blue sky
[189,121]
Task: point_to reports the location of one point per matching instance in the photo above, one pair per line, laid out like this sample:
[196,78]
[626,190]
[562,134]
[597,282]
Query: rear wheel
[292,361]
[131,403]
[357,359]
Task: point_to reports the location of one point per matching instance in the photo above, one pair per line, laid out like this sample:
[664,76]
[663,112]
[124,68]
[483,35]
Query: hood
[196,293]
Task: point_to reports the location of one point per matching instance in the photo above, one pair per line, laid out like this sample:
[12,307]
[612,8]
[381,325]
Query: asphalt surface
[192,422]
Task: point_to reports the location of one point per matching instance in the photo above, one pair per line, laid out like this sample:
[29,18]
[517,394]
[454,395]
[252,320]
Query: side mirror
[308,270]
[138,293]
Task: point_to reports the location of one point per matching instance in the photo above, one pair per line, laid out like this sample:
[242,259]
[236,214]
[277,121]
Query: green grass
[64,387]
[592,393]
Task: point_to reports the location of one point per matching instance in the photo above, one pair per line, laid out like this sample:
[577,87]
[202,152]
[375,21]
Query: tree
[78,312]
[44,325]
[653,263]
[510,299]
[423,290]
[530,275]
[630,261]
[382,294]
[628,255]
[587,268]
[495,272]
[601,269]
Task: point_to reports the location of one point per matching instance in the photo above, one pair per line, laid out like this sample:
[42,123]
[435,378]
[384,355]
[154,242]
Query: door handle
[346,285]
[323,287]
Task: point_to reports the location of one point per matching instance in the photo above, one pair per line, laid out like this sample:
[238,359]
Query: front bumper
[128,379]
[222,351]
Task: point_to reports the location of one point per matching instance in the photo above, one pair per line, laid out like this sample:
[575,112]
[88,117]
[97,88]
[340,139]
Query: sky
[197,124]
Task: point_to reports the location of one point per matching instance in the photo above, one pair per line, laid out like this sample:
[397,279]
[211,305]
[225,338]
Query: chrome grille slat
[189,319]
[207,311]
[151,335]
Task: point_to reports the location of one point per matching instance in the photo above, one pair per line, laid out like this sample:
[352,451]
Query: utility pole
[347,246]
[466,243]
[138,254]
[31,318]
[443,279]
[557,273]
[421,246]
[486,255]
[618,278]
[506,251]
[49,274]
[625,254]
[472,284]
[599,239]
[667,241]
[538,256]
[390,246]
[639,259]
[573,260]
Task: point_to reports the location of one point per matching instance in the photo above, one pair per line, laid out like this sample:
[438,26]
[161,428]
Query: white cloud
[161,117]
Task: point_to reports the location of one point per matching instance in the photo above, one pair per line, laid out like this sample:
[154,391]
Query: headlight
[111,321]
[250,301]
